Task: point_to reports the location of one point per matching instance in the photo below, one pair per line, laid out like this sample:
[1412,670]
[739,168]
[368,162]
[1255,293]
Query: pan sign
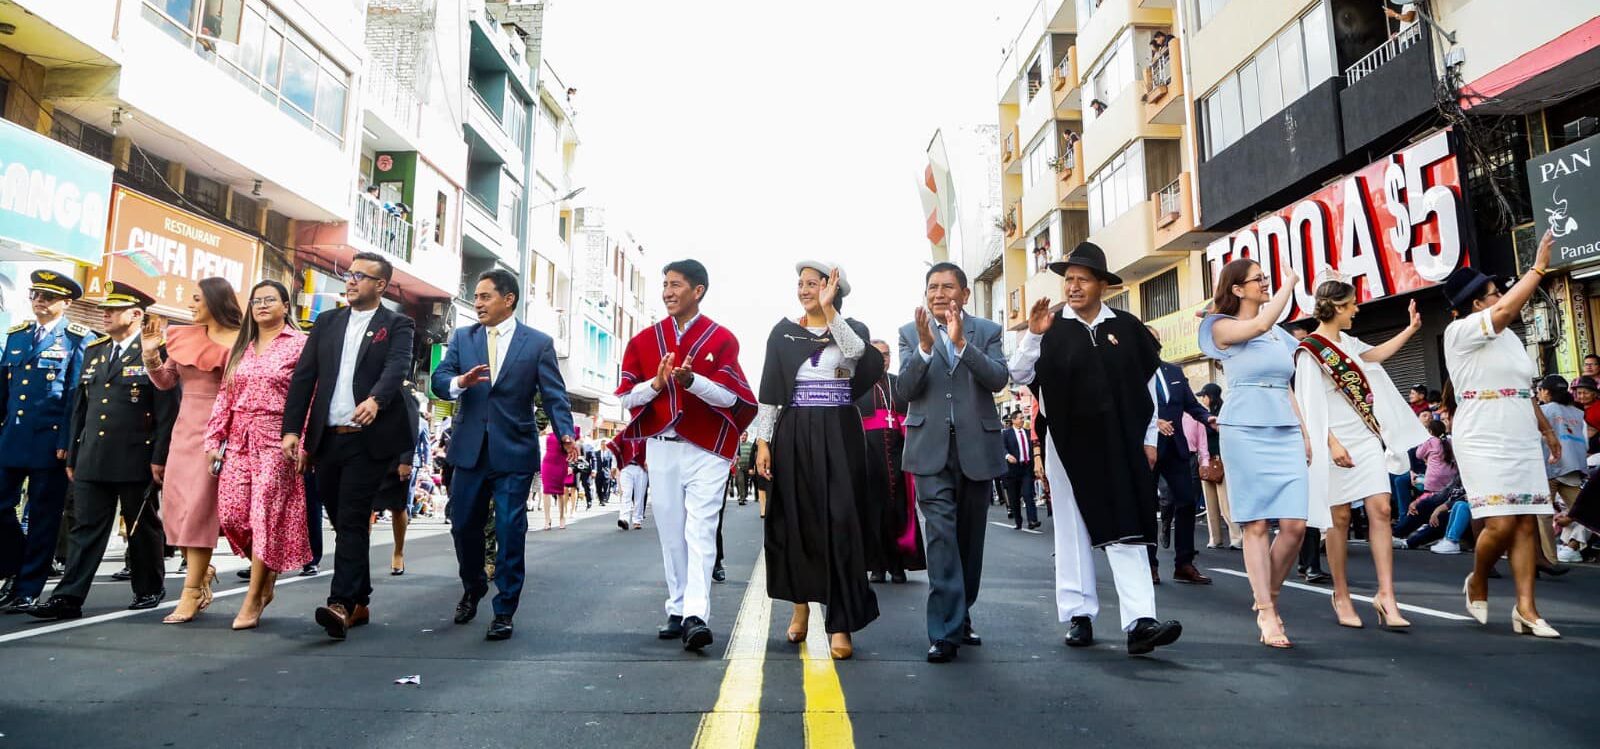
[1393,227]
[1565,187]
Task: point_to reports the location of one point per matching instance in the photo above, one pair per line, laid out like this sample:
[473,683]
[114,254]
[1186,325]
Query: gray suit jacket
[931,389]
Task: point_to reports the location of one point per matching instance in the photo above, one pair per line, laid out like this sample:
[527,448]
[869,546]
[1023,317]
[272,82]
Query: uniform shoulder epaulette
[19,327]
[82,331]
[100,340]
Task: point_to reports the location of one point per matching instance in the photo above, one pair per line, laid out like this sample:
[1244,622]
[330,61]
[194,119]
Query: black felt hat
[1087,255]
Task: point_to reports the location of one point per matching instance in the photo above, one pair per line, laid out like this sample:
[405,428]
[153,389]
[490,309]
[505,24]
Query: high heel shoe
[841,652]
[209,580]
[1387,620]
[1478,609]
[190,600]
[1353,621]
[1537,627]
[1271,639]
[242,622]
[798,625]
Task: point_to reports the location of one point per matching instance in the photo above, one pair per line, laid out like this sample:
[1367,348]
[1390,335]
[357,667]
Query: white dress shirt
[1026,357]
[711,393]
[342,411]
[121,347]
[503,331]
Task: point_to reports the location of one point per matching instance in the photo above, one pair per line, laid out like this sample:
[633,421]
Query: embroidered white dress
[1495,434]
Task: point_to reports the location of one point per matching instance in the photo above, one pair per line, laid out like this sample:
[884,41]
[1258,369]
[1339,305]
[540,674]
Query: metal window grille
[1159,296]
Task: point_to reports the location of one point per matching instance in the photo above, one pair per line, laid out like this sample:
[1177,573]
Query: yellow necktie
[494,355]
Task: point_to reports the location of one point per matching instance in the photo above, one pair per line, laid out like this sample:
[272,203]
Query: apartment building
[1096,145]
[610,303]
[552,188]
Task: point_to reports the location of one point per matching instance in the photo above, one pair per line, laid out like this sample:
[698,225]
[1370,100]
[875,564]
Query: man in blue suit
[499,369]
[41,363]
[1173,400]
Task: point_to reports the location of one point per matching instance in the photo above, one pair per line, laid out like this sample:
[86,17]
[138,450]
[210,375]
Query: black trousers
[1184,490]
[313,516]
[1019,492]
[347,482]
[744,481]
[583,487]
[1311,551]
[96,507]
[720,511]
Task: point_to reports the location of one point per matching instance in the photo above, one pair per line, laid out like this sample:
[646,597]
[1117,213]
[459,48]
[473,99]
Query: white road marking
[1365,599]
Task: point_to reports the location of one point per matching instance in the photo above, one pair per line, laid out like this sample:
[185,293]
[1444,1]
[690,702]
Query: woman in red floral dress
[260,497]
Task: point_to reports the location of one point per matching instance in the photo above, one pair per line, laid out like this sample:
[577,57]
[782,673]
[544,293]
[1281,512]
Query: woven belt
[1489,395]
[821,394]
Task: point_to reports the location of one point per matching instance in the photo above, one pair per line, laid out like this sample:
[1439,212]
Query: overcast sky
[750,135]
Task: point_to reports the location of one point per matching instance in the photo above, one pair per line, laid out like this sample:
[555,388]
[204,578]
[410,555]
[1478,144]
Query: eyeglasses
[1261,279]
[44,296]
[265,301]
[357,276]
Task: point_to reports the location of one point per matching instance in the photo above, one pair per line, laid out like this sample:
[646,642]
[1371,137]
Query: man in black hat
[1093,372]
[41,364]
[121,427]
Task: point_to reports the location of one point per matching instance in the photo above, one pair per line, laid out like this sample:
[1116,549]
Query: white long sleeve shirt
[1026,357]
[711,393]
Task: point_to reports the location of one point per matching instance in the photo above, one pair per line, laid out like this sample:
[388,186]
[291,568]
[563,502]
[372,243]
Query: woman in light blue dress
[1261,431]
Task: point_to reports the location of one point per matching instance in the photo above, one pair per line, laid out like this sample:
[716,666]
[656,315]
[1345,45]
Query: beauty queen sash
[1347,378]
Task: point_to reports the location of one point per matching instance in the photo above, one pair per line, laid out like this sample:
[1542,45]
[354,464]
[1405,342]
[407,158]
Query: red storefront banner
[1393,227]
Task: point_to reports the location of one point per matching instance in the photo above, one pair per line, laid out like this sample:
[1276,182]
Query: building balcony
[392,106]
[1071,181]
[382,227]
[1163,87]
[484,129]
[1010,150]
[1388,89]
[1127,240]
[1172,216]
[1121,124]
[1101,28]
[1015,236]
[1065,90]
[1258,172]
[481,230]
[422,268]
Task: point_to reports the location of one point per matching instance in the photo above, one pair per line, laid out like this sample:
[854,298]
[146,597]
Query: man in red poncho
[689,402]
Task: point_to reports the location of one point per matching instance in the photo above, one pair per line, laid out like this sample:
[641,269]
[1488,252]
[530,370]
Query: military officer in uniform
[121,428]
[41,363]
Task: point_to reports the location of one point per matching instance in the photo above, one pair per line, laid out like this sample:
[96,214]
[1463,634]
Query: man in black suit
[344,397]
[1174,398]
[1019,472]
[121,429]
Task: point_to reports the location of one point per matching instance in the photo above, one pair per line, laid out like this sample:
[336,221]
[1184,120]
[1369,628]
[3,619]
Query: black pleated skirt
[814,547]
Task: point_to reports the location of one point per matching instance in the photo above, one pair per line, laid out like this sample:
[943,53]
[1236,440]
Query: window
[242,212]
[1117,71]
[1035,80]
[1036,165]
[1118,302]
[1205,9]
[1298,59]
[1041,250]
[1159,296]
[1118,186]
[516,119]
[441,211]
[270,57]
[78,134]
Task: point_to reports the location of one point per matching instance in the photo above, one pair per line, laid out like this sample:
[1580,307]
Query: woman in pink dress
[261,499]
[196,357]
[553,476]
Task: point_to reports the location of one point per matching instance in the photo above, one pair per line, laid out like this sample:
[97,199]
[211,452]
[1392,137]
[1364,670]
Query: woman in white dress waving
[1360,430]
[1497,429]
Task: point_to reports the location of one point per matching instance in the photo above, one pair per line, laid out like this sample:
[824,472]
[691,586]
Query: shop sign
[1565,187]
[52,199]
[1393,227]
[1180,333]
[165,251]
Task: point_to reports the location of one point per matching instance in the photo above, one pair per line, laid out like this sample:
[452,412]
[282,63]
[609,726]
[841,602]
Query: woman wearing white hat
[809,444]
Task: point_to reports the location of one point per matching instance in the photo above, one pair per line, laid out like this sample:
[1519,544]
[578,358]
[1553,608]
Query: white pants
[1075,581]
[633,483]
[687,483]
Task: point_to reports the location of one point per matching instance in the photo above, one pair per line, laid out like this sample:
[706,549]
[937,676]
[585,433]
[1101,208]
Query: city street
[585,667]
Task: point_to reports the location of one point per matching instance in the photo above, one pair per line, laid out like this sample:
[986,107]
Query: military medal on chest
[133,394]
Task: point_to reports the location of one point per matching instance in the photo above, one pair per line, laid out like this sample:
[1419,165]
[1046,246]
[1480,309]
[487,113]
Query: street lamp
[562,199]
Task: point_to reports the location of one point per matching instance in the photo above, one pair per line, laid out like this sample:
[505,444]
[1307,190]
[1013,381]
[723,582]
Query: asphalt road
[585,668]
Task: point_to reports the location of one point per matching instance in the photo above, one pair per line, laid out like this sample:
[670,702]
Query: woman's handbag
[1212,470]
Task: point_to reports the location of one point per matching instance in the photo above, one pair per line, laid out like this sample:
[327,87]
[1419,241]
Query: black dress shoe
[309,570]
[1553,570]
[1166,531]
[7,594]
[21,604]
[1033,526]
[58,607]
[874,577]
[898,577]
[467,607]
[243,574]
[1018,526]
[1149,634]
[122,574]
[941,651]
[1317,576]
[969,636]
[696,635]
[148,600]
[499,629]
[718,574]
[1081,633]
[623,524]
[672,630]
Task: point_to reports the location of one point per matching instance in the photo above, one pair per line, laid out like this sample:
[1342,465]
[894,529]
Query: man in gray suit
[951,365]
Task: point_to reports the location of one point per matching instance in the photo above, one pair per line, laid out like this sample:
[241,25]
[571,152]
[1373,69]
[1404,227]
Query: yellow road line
[827,720]
[736,718]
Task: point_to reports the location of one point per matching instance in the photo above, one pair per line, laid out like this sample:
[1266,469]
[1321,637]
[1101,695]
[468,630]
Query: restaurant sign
[52,199]
[164,252]
[1393,227]
[1565,187]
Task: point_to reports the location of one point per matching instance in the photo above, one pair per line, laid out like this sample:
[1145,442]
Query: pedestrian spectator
[1222,530]
[1416,526]
[395,490]
[744,464]
[1268,480]
[260,498]
[196,357]
[810,444]
[633,481]
[1586,396]
[1417,398]
[1358,427]
[1569,468]
[1591,366]
[585,472]
[553,473]
[1496,433]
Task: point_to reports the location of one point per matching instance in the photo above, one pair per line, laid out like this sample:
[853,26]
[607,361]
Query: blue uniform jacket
[39,388]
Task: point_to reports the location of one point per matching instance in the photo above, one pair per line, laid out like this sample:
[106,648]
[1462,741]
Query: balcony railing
[1010,147]
[393,99]
[1170,202]
[1063,73]
[383,227]
[1385,52]
[1161,68]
